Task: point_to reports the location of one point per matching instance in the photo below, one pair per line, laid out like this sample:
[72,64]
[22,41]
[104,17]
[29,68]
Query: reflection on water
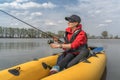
[19,45]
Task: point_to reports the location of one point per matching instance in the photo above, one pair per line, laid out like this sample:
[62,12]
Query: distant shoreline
[47,38]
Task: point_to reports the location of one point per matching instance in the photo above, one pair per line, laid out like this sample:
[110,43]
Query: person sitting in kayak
[75,45]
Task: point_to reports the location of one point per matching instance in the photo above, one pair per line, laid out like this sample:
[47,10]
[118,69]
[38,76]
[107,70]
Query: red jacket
[81,38]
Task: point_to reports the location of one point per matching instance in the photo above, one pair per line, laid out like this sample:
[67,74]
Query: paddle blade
[97,50]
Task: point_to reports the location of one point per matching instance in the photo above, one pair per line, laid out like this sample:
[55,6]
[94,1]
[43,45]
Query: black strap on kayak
[46,66]
[15,71]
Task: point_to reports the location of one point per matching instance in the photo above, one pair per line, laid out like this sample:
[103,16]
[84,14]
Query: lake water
[16,51]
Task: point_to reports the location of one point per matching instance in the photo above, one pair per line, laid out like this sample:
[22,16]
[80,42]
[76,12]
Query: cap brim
[67,18]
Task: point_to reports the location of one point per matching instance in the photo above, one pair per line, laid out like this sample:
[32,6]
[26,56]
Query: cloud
[101,25]
[21,0]
[23,13]
[18,4]
[108,21]
[13,24]
[50,23]
[98,11]
[36,14]
[60,22]
[48,5]
[105,8]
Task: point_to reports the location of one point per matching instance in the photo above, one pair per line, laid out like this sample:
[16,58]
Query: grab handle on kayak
[15,71]
[46,66]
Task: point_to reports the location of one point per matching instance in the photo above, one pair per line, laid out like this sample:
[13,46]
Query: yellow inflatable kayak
[39,70]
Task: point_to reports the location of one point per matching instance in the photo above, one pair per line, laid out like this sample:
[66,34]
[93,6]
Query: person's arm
[67,46]
[56,39]
[57,45]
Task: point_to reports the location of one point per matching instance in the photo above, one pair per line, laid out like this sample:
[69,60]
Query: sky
[48,15]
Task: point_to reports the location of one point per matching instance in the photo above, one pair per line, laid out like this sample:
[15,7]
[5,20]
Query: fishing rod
[49,35]
[26,23]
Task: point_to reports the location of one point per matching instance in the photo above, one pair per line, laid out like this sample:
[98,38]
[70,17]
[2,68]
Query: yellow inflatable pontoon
[39,70]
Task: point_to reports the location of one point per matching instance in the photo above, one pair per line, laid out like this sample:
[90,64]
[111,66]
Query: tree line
[8,32]
[104,35]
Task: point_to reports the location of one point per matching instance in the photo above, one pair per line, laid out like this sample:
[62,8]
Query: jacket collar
[69,30]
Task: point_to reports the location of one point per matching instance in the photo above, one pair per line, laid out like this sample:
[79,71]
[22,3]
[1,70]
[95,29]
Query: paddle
[96,51]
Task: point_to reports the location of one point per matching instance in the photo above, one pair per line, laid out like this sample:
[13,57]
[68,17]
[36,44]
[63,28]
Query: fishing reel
[50,41]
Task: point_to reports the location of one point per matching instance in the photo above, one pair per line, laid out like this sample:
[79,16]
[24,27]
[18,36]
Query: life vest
[73,38]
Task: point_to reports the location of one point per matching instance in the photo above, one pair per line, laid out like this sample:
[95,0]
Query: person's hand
[55,45]
[56,39]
